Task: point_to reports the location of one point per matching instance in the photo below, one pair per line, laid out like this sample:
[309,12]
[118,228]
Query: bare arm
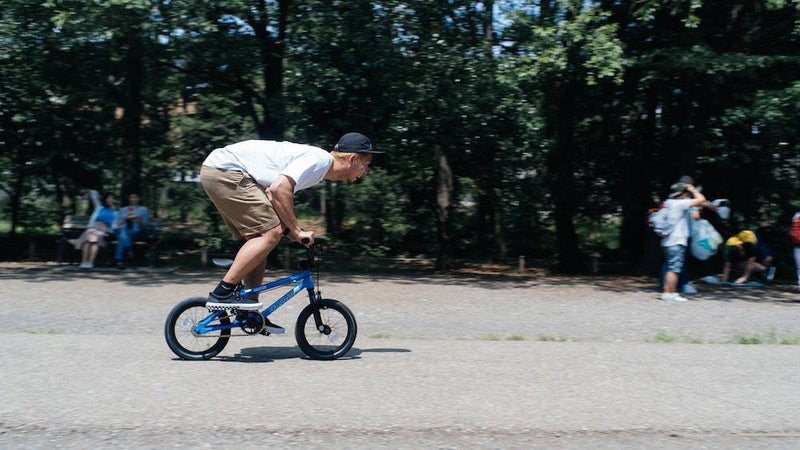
[708,205]
[281,194]
[748,270]
[698,199]
[726,271]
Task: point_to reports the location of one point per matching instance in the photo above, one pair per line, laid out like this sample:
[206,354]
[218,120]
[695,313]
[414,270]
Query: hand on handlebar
[306,238]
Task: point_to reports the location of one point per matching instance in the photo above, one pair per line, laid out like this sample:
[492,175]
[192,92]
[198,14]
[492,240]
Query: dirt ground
[468,361]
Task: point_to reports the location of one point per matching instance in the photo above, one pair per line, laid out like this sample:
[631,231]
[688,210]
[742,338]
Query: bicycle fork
[316,299]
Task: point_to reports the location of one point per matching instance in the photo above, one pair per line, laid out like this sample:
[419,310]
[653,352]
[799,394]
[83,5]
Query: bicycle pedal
[232,308]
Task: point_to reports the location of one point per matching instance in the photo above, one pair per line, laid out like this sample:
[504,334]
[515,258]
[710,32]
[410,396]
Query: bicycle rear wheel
[184,341]
[335,335]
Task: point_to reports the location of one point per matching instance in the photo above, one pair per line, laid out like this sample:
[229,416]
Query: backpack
[795,231]
[661,223]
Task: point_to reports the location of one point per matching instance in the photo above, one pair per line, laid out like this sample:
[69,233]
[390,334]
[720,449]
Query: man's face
[359,166]
[133,199]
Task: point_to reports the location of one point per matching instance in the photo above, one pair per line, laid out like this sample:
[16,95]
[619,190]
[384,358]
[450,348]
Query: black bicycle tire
[173,342]
[308,313]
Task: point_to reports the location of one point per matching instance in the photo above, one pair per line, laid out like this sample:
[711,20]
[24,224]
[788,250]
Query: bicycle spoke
[185,325]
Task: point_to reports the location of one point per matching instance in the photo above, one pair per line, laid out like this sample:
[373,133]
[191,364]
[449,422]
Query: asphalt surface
[440,362]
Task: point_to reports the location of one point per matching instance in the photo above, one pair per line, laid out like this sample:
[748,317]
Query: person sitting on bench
[103,220]
[133,219]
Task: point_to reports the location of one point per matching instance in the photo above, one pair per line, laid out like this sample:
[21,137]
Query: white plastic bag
[705,240]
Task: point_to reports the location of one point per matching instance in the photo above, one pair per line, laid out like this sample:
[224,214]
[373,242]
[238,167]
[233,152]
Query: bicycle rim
[182,338]
[338,333]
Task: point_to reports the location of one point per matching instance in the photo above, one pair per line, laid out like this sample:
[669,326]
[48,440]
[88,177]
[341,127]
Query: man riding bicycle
[252,184]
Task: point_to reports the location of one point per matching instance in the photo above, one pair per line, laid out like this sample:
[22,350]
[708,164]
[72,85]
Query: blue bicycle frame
[303,280]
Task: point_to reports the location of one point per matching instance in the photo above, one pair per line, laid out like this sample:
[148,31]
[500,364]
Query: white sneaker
[672,297]
[689,289]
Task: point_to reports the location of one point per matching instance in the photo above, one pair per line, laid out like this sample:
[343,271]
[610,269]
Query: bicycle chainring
[251,322]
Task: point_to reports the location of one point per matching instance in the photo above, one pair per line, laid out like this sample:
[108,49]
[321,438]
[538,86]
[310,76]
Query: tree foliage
[512,127]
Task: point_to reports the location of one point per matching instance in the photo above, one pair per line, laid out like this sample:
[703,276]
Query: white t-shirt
[265,160]
[677,214]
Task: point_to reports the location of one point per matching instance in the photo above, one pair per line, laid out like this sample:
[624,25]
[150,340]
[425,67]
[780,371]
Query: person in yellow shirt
[740,249]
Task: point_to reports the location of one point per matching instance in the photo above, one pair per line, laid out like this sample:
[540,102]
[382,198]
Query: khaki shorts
[241,202]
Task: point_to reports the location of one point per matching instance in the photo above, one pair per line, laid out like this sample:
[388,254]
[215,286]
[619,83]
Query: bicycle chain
[232,317]
[205,336]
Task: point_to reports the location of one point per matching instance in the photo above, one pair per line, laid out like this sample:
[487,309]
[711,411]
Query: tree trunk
[132,118]
[15,197]
[272,52]
[444,192]
[500,247]
[488,22]
[491,216]
[59,194]
[561,164]
[635,182]
[334,209]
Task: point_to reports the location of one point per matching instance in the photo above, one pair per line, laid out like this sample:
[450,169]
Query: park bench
[74,225]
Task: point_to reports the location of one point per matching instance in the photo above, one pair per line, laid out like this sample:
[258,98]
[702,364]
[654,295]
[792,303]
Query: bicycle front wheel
[332,337]
[182,336]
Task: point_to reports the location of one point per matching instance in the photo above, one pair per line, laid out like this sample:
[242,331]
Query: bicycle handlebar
[303,241]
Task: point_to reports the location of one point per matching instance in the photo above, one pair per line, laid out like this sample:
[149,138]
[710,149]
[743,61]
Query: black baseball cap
[354,143]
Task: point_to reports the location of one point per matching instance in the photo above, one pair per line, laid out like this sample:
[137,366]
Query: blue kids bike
[325,329]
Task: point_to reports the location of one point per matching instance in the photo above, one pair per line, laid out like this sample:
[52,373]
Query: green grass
[664,338]
[494,337]
[771,338]
[519,337]
[543,338]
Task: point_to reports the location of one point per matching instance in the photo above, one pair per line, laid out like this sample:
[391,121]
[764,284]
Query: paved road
[441,362]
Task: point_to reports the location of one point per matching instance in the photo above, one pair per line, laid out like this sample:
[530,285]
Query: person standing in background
[795,234]
[683,198]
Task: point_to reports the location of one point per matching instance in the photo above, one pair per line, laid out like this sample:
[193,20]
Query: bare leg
[750,267]
[670,282]
[250,260]
[93,247]
[255,277]
[85,252]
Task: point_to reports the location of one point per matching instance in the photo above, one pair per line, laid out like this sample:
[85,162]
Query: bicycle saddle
[222,262]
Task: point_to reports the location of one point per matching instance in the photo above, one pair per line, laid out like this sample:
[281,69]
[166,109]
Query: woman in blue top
[103,220]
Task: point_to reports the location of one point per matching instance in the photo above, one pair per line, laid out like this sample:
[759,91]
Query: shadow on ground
[272,354]
[145,276]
